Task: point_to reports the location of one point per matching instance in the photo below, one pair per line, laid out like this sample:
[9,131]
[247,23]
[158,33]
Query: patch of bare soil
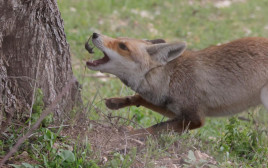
[106,138]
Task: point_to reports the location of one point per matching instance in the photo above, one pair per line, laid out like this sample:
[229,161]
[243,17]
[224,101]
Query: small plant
[242,141]
[55,153]
[1,148]
[38,107]
[138,115]
[55,156]
[120,160]
[167,139]
[10,139]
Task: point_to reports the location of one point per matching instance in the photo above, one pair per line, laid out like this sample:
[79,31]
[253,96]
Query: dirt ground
[106,138]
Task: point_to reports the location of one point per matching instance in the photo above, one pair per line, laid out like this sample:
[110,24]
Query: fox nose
[95,35]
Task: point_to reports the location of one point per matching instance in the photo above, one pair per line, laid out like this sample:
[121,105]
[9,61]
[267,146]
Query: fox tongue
[99,61]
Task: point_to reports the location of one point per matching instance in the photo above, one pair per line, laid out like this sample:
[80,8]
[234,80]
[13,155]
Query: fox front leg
[137,100]
[119,102]
[116,103]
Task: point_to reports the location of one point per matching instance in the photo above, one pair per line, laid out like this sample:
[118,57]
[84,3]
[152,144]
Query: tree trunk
[33,54]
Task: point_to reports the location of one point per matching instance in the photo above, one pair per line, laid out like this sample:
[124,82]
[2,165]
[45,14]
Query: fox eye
[123,46]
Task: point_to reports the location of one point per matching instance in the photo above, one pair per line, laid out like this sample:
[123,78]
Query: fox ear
[156,41]
[166,52]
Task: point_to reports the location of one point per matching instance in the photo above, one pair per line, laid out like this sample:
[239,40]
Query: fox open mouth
[94,63]
[103,60]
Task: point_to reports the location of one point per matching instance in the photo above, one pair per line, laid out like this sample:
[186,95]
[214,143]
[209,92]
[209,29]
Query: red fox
[184,85]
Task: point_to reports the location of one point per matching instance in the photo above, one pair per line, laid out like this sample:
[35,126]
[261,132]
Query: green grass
[233,143]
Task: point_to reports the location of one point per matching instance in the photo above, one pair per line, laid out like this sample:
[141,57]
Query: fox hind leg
[179,124]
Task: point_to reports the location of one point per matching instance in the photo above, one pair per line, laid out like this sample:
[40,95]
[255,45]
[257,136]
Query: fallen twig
[136,141]
[59,126]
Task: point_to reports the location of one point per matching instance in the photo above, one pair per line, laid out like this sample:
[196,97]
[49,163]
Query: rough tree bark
[33,54]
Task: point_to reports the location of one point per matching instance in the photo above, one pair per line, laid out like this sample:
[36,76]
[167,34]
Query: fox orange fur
[184,85]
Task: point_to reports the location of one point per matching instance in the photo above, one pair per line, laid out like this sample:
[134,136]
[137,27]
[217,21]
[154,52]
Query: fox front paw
[117,103]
